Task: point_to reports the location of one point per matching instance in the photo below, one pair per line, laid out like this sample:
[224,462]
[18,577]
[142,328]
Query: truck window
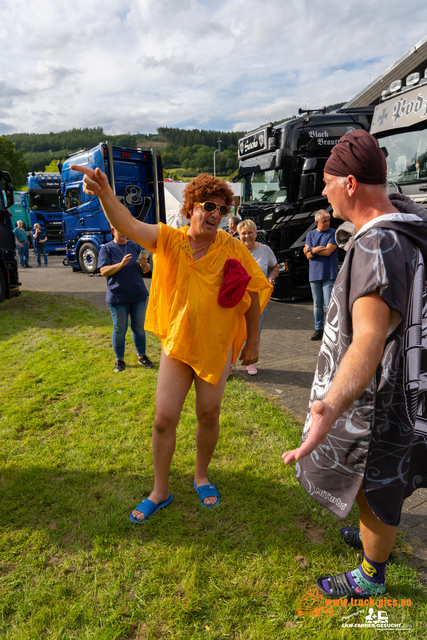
[72,198]
[264,186]
[45,201]
[407,156]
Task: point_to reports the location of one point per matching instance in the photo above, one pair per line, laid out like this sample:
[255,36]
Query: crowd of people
[39,241]
[365,435]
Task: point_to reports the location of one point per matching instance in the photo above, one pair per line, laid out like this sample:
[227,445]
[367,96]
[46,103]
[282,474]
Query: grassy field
[75,460]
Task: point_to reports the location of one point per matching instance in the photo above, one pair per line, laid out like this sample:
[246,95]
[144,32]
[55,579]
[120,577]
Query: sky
[131,66]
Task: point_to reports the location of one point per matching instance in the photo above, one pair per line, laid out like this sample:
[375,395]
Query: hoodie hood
[411,220]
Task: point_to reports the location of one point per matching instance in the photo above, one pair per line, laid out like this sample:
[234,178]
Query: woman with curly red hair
[199,336]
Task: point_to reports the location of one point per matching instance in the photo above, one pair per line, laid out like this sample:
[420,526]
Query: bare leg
[208,405]
[378,538]
[173,383]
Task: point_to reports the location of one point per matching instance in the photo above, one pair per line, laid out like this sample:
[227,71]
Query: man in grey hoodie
[365,437]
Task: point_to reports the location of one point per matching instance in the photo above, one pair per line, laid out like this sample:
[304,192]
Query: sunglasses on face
[210,207]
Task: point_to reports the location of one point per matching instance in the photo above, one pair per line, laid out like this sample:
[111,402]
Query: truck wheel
[2,286]
[88,258]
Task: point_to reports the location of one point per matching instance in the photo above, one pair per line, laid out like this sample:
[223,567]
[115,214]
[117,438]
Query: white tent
[173,202]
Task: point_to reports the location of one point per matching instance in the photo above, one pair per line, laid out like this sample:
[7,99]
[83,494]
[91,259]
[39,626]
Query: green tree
[13,161]
[52,167]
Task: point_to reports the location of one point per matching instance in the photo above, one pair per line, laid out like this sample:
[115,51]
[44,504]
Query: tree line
[191,150]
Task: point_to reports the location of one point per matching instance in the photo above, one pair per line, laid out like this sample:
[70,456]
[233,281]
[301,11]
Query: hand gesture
[127,258]
[321,422]
[95,182]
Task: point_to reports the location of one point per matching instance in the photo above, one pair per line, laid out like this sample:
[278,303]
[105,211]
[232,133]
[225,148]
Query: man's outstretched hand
[321,421]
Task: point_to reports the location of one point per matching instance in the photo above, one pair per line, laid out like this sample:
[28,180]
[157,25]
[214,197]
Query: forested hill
[185,152]
[40,149]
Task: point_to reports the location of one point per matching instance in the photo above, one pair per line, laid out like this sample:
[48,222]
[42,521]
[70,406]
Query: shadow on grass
[46,311]
[74,508]
[74,513]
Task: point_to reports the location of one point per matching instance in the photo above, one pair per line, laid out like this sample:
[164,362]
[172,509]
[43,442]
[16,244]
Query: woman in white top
[265,258]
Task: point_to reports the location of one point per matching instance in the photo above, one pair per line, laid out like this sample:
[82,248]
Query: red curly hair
[202,188]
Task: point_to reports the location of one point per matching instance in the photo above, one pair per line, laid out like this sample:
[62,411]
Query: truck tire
[88,258]
[2,286]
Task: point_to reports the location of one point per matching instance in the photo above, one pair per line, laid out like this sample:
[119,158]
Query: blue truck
[136,177]
[9,283]
[44,207]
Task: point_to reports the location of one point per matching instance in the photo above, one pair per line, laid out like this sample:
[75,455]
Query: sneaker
[252,370]
[146,362]
[317,335]
[230,373]
[119,366]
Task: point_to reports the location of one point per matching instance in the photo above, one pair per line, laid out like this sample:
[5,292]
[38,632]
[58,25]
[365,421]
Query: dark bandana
[357,153]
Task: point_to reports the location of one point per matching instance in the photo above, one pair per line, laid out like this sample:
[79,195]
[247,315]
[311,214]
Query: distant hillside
[191,150]
[41,148]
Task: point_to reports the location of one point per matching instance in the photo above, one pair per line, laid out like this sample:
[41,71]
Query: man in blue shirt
[22,245]
[321,250]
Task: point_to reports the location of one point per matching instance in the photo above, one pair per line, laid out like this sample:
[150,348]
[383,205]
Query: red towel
[233,288]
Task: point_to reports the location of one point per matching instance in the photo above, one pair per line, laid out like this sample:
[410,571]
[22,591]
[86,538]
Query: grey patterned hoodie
[382,437]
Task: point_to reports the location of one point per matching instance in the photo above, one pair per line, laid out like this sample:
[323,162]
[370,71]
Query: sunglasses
[210,207]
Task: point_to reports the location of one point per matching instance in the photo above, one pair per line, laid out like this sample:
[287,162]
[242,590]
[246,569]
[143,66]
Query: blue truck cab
[44,207]
[9,284]
[136,178]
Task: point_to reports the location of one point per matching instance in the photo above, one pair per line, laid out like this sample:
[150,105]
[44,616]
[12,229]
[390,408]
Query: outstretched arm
[371,317]
[95,183]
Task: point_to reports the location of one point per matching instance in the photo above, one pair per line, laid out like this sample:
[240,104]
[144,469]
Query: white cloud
[235,64]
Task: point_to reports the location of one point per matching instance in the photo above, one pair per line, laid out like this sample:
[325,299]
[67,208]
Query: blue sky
[135,65]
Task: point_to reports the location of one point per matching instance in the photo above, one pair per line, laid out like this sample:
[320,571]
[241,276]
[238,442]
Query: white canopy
[173,202]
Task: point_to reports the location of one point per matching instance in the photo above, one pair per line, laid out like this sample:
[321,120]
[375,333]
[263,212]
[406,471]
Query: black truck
[281,168]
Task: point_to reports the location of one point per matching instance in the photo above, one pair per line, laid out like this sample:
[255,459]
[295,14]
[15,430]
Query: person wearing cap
[206,296]
[321,251]
[365,435]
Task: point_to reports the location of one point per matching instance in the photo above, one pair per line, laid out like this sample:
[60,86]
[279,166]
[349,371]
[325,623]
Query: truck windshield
[264,186]
[44,202]
[407,156]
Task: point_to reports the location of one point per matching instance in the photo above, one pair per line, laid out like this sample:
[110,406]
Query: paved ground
[285,370]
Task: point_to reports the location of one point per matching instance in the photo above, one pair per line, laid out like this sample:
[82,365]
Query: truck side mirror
[10,198]
[61,199]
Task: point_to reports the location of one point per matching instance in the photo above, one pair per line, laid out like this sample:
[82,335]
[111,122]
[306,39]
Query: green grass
[75,460]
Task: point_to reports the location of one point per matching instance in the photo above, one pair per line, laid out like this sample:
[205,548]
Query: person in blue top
[22,245]
[127,295]
[321,251]
[39,242]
